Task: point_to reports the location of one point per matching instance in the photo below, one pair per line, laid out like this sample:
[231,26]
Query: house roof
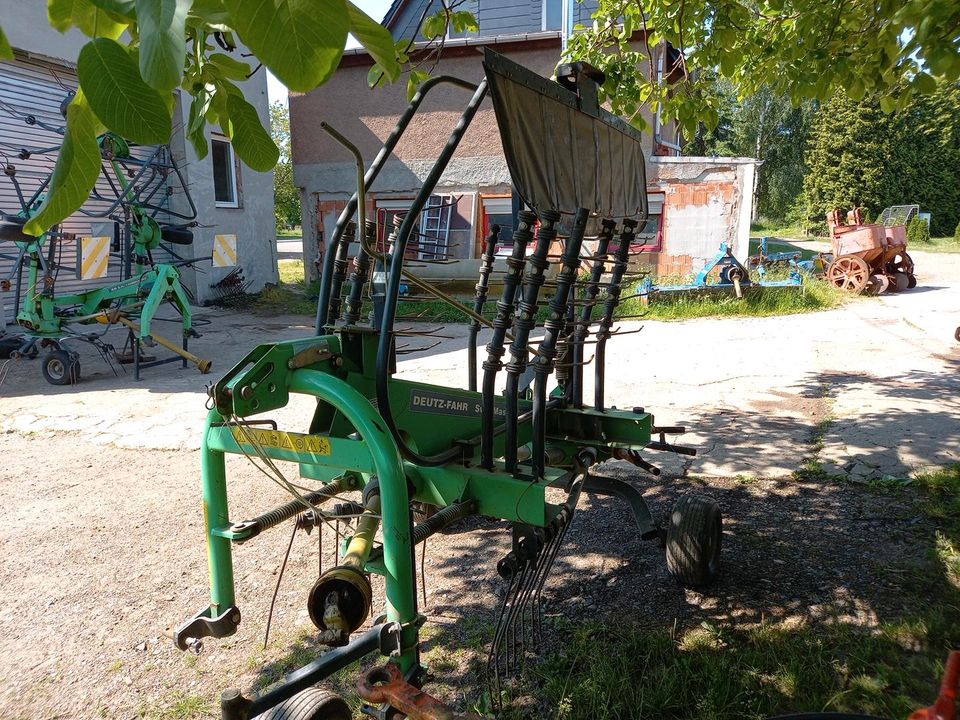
[464,46]
[395,7]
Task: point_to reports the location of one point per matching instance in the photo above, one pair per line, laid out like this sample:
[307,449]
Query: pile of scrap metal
[731,276]
[869,258]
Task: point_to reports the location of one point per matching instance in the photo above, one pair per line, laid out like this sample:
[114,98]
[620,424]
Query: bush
[956,233]
[918,231]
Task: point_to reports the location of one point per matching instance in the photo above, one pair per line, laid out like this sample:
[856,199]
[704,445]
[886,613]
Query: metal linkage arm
[358,279]
[340,265]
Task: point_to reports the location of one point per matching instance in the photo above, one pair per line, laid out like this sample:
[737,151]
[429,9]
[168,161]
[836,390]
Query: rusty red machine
[869,258]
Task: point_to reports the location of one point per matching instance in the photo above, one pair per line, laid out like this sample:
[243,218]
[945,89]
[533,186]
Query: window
[430,240]
[224,174]
[649,235]
[499,211]
[553,14]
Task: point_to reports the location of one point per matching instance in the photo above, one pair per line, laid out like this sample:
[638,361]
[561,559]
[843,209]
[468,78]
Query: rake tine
[508,570]
[510,638]
[534,599]
[407,350]
[618,331]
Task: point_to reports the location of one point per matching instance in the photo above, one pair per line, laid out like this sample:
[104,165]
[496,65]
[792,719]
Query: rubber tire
[310,704]
[65,370]
[912,281]
[13,232]
[902,281]
[176,235]
[694,536]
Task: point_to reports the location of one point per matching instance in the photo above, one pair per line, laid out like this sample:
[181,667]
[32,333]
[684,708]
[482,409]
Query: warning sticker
[297,442]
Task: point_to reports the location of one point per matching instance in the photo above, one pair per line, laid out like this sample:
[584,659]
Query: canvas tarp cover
[563,156]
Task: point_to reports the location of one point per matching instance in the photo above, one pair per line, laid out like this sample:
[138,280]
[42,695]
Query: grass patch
[813,296]
[937,244]
[290,232]
[940,490]
[187,707]
[624,672]
[294,296]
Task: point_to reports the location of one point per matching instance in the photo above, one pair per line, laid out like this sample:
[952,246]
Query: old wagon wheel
[849,272]
[901,263]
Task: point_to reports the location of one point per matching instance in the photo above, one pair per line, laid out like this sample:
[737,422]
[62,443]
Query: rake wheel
[694,536]
[310,704]
[849,272]
[60,368]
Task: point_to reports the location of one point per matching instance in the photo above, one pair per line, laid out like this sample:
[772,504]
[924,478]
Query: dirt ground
[101,540]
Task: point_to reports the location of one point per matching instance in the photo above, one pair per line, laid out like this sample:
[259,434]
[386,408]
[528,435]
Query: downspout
[657,137]
[566,19]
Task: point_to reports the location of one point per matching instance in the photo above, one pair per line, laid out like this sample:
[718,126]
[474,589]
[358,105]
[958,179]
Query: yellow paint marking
[297,442]
[224,250]
[95,257]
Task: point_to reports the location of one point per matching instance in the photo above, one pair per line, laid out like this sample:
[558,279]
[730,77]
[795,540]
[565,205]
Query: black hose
[486,268]
[582,329]
[609,306]
[553,330]
[524,320]
[503,320]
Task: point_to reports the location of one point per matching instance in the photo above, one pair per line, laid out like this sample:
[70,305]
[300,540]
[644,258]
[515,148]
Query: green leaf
[924,83]
[197,122]
[376,77]
[376,39]
[126,8]
[163,46]
[301,41]
[888,104]
[230,68]
[84,15]
[75,174]
[464,21]
[119,96]
[248,136]
[435,25]
[208,12]
[6,52]
[413,82]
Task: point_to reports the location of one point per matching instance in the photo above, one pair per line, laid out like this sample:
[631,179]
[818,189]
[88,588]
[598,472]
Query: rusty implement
[385,685]
[945,708]
[868,258]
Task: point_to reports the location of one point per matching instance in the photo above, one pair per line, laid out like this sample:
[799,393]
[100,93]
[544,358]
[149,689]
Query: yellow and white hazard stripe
[224,250]
[94,257]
